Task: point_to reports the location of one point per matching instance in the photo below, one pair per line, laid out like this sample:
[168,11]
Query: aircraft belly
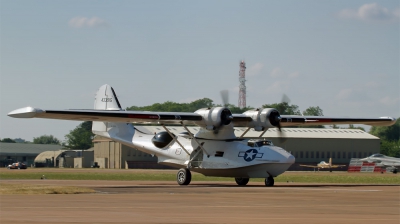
[254,171]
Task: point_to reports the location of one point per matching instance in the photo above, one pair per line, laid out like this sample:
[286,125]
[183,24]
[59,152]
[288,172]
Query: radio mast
[242,85]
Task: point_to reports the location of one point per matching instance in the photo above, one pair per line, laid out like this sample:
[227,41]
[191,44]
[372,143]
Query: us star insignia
[250,155]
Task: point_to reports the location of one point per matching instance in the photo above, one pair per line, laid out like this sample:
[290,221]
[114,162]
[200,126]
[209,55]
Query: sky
[342,56]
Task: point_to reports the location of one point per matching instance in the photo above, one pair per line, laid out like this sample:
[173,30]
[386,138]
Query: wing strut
[245,132]
[175,139]
[191,135]
[263,132]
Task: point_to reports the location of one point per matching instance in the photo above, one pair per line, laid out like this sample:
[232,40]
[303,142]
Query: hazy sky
[342,56]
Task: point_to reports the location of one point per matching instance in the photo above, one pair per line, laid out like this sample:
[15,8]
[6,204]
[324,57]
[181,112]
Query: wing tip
[26,112]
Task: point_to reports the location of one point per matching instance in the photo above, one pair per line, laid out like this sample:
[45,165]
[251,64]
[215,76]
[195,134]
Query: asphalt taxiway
[201,202]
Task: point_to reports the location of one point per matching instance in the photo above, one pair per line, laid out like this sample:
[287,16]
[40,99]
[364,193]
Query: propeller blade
[285,99]
[282,138]
[225,97]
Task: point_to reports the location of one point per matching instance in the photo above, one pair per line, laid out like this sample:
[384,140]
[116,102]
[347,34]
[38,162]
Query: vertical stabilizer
[330,162]
[106,99]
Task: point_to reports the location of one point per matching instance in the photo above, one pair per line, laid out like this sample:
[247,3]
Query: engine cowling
[263,118]
[214,117]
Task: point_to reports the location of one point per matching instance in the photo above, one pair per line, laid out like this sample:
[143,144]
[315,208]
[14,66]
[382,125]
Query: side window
[312,155]
[306,154]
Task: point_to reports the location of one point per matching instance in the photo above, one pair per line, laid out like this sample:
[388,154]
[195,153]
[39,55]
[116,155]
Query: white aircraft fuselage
[227,158]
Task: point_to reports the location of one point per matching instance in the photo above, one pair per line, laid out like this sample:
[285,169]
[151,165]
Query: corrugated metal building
[308,145]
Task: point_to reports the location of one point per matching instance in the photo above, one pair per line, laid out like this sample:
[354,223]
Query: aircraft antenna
[242,85]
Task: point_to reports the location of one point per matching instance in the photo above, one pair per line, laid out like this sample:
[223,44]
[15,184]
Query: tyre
[241,181]
[269,182]
[183,177]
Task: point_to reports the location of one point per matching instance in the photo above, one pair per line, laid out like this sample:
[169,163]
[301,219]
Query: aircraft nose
[290,159]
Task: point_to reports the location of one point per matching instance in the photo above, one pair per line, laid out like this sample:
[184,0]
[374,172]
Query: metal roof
[41,158]
[26,148]
[287,132]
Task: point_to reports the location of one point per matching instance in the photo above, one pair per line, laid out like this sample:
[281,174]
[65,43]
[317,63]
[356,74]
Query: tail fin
[106,99]
[330,161]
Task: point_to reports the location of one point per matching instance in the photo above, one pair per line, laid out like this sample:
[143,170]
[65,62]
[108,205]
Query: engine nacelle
[214,117]
[263,118]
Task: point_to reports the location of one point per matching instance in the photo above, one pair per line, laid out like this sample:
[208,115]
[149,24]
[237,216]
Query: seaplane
[214,150]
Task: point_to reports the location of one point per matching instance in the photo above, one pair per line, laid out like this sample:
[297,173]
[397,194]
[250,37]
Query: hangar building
[308,145]
[23,152]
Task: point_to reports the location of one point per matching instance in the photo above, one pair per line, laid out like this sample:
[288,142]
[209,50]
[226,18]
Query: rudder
[106,99]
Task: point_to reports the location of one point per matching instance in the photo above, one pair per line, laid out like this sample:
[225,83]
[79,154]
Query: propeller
[225,97]
[226,115]
[282,139]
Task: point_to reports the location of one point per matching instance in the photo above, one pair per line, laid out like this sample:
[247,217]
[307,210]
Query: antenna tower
[242,85]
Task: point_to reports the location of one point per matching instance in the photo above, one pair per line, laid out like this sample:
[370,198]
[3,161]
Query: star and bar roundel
[250,155]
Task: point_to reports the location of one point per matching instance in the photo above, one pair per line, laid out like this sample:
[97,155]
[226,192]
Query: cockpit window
[259,143]
[377,155]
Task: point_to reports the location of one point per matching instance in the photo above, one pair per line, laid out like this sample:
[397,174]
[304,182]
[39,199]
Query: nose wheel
[183,177]
[269,181]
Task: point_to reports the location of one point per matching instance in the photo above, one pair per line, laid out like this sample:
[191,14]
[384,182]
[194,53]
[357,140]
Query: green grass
[170,175]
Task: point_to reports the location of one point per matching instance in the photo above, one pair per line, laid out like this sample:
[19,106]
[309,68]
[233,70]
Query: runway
[202,202]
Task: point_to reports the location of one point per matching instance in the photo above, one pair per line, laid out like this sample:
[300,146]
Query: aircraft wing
[309,166]
[109,115]
[147,117]
[289,120]
[336,166]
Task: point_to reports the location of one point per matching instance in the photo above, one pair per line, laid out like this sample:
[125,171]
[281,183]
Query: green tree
[390,138]
[46,139]
[389,133]
[284,108]
[175,107]
[313,111]
[390,148]
[81,137]
[8,140]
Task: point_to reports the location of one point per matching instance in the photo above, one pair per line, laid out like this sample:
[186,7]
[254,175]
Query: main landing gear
[241,181]
[269,181]
[183,177]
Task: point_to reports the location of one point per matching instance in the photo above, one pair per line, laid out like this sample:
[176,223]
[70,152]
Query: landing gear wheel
[395,171]
[183,177]
[269,181]
[241,181]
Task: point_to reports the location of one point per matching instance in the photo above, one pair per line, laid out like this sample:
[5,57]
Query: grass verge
[6,189]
